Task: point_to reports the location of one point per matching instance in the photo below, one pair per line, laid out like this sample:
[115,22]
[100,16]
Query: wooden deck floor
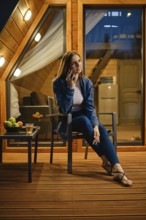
[86,194]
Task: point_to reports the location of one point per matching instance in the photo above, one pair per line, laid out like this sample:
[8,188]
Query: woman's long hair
[65,64]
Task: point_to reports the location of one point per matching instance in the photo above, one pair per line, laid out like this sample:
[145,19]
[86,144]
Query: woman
[74,94]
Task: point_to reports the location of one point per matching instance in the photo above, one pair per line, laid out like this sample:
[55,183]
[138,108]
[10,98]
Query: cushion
[26,100]
[38,98]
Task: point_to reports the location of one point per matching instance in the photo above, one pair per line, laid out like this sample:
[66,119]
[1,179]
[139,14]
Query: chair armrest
[56,115]
[113,115]
[106,113]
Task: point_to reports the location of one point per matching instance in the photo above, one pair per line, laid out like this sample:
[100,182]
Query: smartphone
[72,76]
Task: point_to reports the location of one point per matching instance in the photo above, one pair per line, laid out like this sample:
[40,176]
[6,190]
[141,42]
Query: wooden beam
[57,2]
[100,66]
[113,2]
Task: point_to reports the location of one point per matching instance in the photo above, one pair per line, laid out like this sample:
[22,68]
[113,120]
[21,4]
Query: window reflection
[113,51]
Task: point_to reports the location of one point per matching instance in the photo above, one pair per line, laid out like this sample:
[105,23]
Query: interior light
[2,61]
[17,72]
[107,26]
[37,37]
[27,15]
[129,14]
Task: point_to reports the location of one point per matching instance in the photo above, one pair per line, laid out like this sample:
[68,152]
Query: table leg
[70,155]
[1,150]
[36,148]
[29,161]
[69,120]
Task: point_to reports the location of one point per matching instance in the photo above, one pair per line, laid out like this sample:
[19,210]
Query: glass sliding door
[113,49]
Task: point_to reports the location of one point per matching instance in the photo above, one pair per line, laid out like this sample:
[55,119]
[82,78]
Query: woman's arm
[64,95]
[89,103]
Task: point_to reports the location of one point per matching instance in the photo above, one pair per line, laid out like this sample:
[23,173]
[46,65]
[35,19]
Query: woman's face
[76,64]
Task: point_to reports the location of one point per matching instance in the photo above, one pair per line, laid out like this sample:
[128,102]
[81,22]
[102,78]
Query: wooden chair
[55,117]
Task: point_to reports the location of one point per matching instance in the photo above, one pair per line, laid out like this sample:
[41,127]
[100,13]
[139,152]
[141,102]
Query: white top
[77,97]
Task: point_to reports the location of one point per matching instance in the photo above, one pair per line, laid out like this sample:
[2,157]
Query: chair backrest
[55,120]
[53,109]
[51,104]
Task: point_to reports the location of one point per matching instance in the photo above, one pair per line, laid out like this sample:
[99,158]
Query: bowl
[12,129]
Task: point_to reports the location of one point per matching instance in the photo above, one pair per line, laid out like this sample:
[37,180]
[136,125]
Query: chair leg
[51,150]
[70,155]
[86,150]
[115,142]
[69,124]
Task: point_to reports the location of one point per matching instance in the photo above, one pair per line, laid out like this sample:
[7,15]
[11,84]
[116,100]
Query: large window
[114,56]
[30,83]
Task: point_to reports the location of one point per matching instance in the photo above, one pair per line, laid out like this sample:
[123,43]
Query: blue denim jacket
[64,97]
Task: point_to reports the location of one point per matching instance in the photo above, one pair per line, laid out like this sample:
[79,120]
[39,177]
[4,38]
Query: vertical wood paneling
[113,2]
[3,104]
[80,27]
[144,86]
[68,25]
[74,25]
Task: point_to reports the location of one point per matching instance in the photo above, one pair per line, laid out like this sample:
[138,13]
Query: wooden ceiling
[16,29]
[15,37]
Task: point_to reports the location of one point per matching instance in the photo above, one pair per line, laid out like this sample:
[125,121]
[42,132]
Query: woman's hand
[96,135]
[71,79]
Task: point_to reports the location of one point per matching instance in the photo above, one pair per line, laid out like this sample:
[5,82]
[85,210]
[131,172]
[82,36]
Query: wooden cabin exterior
[88,193]
[17,32]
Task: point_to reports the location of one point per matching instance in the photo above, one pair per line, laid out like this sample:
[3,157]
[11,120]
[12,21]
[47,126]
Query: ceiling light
[2,61]
[17,72]
[27,15]
[37,37]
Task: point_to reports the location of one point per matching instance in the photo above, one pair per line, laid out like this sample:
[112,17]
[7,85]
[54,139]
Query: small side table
[23,135]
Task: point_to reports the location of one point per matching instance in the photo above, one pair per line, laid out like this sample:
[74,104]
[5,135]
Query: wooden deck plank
[88,193]
[73,218]
[70,204]
[72,212]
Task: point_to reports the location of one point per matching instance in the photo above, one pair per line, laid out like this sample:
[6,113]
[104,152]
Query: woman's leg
[110,154]
[104,149]
[107,147]
[83,124]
